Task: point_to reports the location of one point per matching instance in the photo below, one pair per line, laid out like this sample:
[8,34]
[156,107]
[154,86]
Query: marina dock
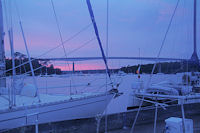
[121,122]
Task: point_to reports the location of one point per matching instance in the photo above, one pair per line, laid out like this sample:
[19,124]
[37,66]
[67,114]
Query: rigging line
[9,13]
[186,24]
[30,63]
[165,36]
[17,8]
[50,50]
[6,14]
[58,26]
[97,36]
[44,66]
[168,28]
[10,33]
[70,52]
[13,64]
[156,115]
[4,73]
[3,39]
[107,33]
[163,42]
[27,50]
[60,34]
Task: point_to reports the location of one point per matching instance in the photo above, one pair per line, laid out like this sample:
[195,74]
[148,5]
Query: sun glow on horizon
[79,67]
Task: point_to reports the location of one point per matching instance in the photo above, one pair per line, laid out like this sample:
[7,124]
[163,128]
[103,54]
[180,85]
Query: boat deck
[22,101]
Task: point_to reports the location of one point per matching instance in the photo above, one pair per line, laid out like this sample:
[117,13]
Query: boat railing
[197,96]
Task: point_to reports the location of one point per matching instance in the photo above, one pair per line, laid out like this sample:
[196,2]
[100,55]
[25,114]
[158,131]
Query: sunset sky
[133,25]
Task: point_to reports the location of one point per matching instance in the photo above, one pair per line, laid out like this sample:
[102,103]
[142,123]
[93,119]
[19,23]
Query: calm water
[77,84]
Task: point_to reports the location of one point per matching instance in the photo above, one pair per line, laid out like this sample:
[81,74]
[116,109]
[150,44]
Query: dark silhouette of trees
[165,67]
[21,58]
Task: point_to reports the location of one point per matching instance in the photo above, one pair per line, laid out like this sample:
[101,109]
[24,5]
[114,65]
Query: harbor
[118,118]
[88,67]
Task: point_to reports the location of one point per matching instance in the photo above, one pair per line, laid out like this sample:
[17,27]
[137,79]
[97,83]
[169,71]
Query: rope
[155,119]
[26,46]
[61,39]
[59,30]
[63,42]
[165,36]
[70,53]
[107,34]
[6,14]
[50,50]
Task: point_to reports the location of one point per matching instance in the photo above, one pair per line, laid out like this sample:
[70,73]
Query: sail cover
[97,34]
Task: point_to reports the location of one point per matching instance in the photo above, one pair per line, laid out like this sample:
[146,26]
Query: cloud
[166,11]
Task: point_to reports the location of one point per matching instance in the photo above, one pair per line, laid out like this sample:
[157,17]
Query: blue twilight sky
[133,25]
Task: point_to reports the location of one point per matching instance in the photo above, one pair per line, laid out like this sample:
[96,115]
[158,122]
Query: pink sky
[82,66]
[133,25]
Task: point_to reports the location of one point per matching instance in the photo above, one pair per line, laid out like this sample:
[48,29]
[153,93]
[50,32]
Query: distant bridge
[112,58]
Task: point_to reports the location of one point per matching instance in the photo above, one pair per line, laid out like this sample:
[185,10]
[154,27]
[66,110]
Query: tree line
[165,67]
[40,67]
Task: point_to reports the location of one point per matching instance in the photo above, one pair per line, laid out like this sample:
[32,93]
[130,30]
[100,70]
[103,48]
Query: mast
[13,90]
[97,36]
[2,51]
[194,55]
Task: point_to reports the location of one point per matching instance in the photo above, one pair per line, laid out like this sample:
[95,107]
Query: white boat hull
[57,111]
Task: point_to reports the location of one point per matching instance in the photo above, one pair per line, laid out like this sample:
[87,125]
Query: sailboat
[25,108]
[165,92]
